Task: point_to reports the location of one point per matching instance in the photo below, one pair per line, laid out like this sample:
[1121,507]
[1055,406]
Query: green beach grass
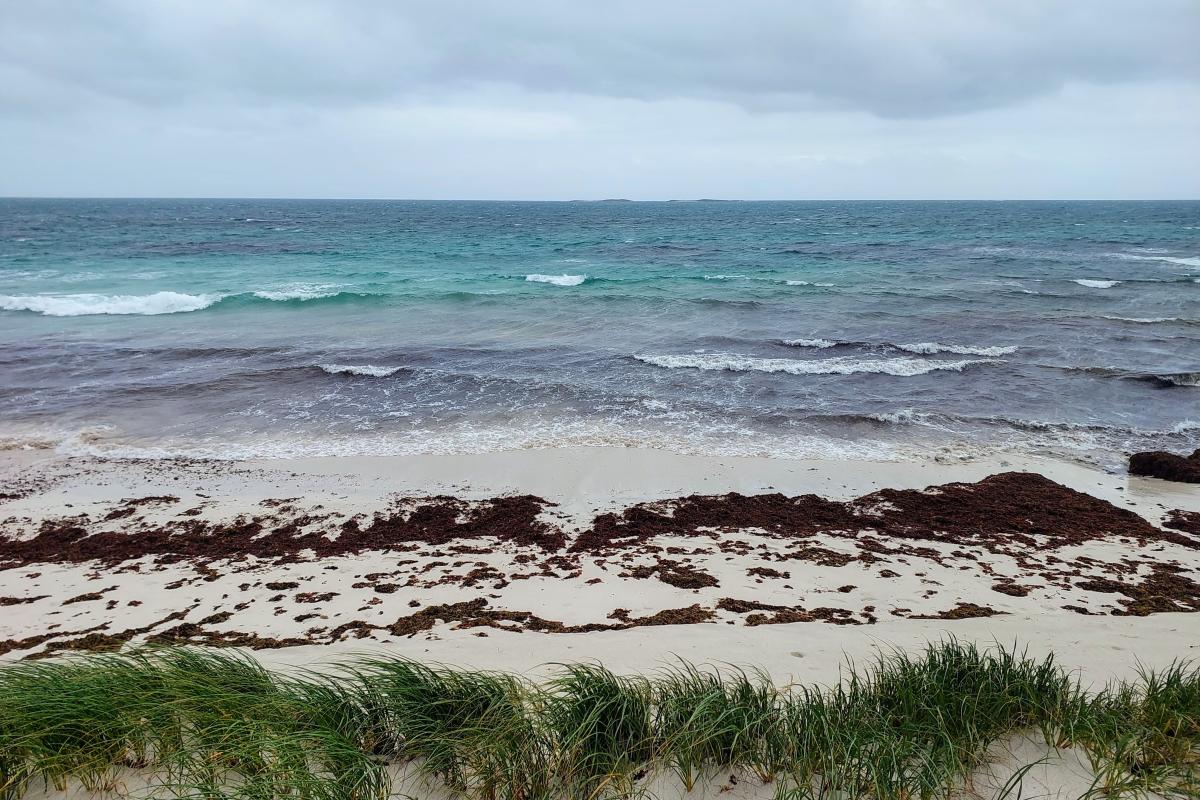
[213,724]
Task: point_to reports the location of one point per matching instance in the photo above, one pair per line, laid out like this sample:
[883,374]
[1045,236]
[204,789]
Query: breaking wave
[919,348]
[83,305]
[557,280]
[1095,284]
[298,292]
[929,348]
[1181,260]
[843,365]
[370,370]
[1175,378]
[1146,320]
[80,305]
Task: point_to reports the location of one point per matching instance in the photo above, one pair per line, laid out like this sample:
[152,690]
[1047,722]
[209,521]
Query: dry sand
[352,601]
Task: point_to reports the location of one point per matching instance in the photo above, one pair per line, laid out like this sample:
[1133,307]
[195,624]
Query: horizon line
[620,199]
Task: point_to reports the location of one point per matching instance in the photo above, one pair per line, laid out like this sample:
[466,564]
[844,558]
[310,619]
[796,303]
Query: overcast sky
[563,99]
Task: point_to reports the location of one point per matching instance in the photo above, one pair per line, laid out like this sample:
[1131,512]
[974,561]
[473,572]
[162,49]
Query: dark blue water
[240,328]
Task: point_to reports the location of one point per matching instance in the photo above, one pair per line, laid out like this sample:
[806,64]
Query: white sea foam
[299,291]
[902,417]
[929,348]
[1095,284]
[557,280]
[818,343]
[1144,320]
[470,438]
[370,370]
[807,283]
[1181,378]
[78,305]
[1186,261]
[725,277]
[844,365]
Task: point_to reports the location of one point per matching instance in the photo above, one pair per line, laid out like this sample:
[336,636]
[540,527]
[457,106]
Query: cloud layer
[548,98]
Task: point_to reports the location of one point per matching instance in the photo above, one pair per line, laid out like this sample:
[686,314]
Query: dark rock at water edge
[1167,466]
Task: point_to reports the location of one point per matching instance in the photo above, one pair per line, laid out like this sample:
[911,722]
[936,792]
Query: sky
[589,99]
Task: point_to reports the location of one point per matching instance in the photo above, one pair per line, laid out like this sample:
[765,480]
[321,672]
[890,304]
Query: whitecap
[1186,261]
[1180,378]
[557,280]
[808,283]
[902,417]
[301,291]
[78,305]
[1144,320]
[844,365]
[1095,284]
[929,348]
[369,370]
[818,343]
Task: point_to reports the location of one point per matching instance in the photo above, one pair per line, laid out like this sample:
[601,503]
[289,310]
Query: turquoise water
[242,328]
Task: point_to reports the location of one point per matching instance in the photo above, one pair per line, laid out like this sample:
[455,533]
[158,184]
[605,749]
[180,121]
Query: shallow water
[244,328]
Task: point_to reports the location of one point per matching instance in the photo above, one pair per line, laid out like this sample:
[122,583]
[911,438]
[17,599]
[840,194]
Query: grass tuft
[215,724]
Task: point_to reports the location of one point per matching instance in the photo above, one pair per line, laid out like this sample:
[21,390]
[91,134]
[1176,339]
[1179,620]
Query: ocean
[883,330]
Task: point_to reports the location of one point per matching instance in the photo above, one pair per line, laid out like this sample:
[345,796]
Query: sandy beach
[589,553]
[635,559]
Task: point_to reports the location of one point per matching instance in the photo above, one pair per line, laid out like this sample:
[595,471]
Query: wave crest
[557,280]
[1182,260]
[369,370]
[842,365]
[303,291]
[929,348]
[1095,284]
[1178,378]
[80,305]
[919,348]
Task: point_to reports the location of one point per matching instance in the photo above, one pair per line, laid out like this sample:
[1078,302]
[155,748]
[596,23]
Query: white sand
[583,481]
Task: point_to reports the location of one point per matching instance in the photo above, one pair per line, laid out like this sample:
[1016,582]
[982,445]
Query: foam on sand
[557,280]
[80,305]
[844,365]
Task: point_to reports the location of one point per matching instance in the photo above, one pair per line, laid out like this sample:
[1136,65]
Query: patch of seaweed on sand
[435,521]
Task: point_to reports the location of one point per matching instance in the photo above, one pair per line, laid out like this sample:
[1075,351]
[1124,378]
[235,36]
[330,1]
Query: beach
[636,561]
[522,570]
[860,472]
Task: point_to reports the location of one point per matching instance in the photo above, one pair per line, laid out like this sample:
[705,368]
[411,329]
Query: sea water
[246,328]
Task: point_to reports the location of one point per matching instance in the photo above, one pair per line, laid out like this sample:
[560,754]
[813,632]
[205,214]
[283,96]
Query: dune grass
[214,724]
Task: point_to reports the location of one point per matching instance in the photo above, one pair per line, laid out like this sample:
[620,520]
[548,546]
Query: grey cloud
[915,59]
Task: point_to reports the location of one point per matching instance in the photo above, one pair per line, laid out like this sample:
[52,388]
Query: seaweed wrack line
[207,723]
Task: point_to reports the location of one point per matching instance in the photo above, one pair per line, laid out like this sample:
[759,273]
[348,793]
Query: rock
[1167,466]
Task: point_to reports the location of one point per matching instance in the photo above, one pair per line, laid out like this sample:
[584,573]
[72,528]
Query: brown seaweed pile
[436,521]
[1012,509]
